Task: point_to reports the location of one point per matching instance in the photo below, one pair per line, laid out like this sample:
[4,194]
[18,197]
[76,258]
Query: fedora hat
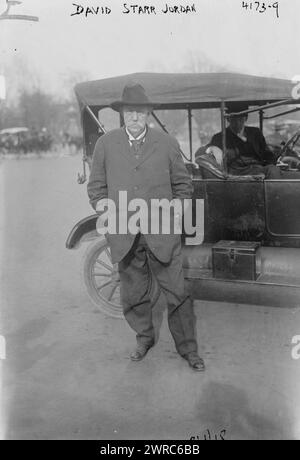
[133,94]
[235,107]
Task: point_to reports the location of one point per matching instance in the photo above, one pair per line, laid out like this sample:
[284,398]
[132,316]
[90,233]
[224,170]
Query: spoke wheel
[102,280]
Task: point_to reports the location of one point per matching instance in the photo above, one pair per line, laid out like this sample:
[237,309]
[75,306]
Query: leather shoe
[140,352]
[195,362]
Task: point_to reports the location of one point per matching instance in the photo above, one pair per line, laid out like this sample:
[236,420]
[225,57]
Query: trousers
[137,270]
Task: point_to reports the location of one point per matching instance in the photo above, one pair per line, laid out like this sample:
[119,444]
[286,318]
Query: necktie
[136,144]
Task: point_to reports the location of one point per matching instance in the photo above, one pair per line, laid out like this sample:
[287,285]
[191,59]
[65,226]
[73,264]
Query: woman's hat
[133,94]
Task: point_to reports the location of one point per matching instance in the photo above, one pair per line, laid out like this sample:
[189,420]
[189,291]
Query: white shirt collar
[140,136]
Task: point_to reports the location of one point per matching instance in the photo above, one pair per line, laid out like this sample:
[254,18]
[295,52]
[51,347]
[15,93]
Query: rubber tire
[113,309]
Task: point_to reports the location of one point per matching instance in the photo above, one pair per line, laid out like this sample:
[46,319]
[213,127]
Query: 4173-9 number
[261,7]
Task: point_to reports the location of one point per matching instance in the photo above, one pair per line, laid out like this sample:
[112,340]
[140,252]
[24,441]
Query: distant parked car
[12,138]
[24,140]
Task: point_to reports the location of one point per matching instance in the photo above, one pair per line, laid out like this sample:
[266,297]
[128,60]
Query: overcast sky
[107,45]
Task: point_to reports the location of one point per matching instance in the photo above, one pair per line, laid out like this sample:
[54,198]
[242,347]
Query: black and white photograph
[149,222]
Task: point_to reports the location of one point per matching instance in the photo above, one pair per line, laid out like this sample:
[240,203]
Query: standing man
[147,164]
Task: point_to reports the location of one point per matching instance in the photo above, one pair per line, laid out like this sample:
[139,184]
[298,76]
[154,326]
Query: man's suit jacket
[158,173]
[237,159]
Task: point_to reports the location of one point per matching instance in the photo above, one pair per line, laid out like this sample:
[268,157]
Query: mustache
[140,125]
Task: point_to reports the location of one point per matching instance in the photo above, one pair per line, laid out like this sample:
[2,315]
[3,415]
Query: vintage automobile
[24,140]
[246,248]
[12,138]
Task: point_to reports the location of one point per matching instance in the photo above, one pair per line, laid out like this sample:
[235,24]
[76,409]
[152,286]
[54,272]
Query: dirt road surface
[67,372]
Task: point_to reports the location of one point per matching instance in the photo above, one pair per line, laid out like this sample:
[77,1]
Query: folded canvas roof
[183,90]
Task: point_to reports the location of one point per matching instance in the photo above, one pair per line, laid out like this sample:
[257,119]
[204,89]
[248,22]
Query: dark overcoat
[158,173]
